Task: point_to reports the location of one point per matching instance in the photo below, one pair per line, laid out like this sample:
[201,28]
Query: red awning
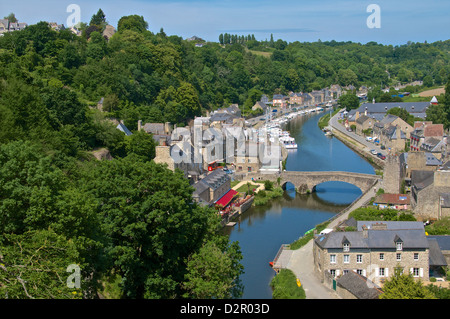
[226,199]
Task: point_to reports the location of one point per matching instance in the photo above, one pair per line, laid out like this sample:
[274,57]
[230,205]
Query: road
[334,123]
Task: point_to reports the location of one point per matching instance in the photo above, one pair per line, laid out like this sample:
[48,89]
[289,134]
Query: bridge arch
[306,182]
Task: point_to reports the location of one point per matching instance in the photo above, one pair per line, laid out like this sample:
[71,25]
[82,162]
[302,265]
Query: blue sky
[290,20]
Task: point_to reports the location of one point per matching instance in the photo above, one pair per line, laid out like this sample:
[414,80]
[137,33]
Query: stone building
[211,188]
[364,123]
[374,251]
[428,137]
[355,286]
[429,191]
[394,174]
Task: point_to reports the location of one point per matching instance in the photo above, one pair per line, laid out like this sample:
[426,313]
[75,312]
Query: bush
[268,185]
[285,286]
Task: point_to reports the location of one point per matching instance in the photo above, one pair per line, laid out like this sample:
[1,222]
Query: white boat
[290,145]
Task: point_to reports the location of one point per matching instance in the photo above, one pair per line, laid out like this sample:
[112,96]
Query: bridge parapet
[306,182]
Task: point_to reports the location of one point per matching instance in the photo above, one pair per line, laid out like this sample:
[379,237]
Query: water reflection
[262,230]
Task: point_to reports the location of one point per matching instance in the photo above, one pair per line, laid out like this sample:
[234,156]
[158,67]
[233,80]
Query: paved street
[341,128]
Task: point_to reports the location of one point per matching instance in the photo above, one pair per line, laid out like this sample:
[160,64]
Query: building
[355,286]
[430,191]
[419,161]
[429,137]
[392,120]
[212,188]
[364,123]
[279,100]
[124,129]
[260,106]
[379,110]
[393,139]
[7,26]
[295,98]
[393,201]
[375,250]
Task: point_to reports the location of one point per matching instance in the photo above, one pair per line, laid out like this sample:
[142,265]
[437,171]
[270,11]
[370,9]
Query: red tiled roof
[434,130]
[399,199]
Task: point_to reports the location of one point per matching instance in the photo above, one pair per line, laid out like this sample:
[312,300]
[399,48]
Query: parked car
[369,139]
[373,152]
[381,156]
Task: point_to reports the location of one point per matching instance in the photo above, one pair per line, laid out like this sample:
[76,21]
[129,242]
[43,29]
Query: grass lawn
[285,286]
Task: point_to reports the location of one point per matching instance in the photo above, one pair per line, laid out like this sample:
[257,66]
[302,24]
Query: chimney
[139,125]
[373,101]
[365,230]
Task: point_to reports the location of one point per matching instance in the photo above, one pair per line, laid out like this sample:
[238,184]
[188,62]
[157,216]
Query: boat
[290,145]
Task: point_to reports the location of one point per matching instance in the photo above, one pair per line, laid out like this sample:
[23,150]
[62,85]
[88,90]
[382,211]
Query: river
[262,230]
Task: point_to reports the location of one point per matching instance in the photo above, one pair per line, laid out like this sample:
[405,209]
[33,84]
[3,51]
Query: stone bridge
[306,182]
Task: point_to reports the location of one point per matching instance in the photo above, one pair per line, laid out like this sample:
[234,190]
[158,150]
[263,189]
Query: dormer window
[398,243]
[345,244]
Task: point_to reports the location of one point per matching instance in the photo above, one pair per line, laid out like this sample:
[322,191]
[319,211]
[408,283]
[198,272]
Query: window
[399,246]
[416,272]
[346,247]
[333,272]
[359,258]
[345,271]
[399,257]
[346,259]
[381,256]
[381,272]
[416,256]
[359,271]
[332,259]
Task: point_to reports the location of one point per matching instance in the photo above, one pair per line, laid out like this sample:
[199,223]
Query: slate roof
[359,286]
[411,238]
[154,128]
[215,179]
[411,107]
[442,240]
[376,239]
[422,179]
[223,117]
[436,258]
[124,129]
[362,119]
[391,133]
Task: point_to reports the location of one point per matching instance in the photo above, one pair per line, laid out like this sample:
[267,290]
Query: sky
[396,21]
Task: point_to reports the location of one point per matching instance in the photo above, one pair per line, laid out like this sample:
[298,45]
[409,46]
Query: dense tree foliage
[403,286]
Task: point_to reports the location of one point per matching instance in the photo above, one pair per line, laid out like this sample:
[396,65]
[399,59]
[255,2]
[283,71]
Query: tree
[98,19]
[33,266]
[132,22]
[11,17]
[428,81]
[349,101]
[151,222]
[347,77]
[141,144]
[403,286]
[213,273]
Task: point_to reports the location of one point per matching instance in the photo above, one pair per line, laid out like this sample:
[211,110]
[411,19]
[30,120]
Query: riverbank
[338,131]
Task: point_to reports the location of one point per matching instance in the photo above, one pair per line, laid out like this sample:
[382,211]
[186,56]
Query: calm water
[262,230]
